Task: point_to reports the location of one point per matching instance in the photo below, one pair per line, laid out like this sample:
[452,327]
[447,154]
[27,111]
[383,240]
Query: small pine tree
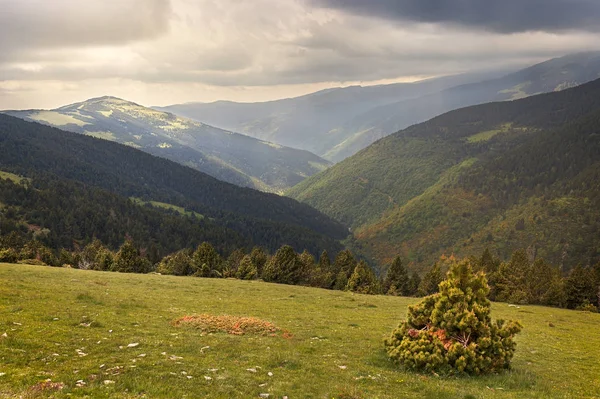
[452,331]
[413,284]
[431,280]
[284,267]
[343,267]
[363,280]
[247,269]
[129,260]
[511,279]
[396,280]
[206,261]
[178,264]
[259,258]
[580,287]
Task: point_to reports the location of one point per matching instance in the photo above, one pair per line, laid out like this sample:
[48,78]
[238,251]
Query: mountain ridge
[229,156]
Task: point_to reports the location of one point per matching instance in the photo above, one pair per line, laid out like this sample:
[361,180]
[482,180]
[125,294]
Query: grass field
[79,328]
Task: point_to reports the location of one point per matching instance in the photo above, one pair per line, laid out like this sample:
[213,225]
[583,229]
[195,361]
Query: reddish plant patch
[230,324]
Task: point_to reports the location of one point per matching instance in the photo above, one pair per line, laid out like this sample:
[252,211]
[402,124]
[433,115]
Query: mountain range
[231,157]
[77,188]
[503,175]
[337,123]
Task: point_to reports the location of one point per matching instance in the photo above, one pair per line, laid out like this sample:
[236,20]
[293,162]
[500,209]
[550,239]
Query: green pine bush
[452,331]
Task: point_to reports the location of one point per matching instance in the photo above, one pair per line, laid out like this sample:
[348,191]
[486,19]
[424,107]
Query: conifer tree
[363,280]
[247,269]
[308,266]
[452,331]
[511,279]
[178,264]
[206,261]
[413,284]
[129,260]
[343,267]
[284,267]
[580,287]
[259,258]
[396,281]
[431,280]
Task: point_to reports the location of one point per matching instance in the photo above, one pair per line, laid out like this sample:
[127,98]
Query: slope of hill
[553,75]
[512,174]
[333,348]
[231,157]
[338,123]
[43,153]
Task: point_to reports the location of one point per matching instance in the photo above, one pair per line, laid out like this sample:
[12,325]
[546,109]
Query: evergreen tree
[284,267]
[343,267]
[308,267]
[431,280]
[452,330]
[323,276]
[396,280]
[510,282]
[580,287]
[259,258]
[247,269]
[178,264]
[363,280]
[206,261]
[129,260]
[413,284]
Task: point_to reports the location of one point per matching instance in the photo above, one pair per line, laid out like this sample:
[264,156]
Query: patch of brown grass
[230,324]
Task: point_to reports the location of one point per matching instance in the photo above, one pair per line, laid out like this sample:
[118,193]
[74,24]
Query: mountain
[310,122]
[338,123]
[108,179]
[553,75]
[504,175]
[231,157]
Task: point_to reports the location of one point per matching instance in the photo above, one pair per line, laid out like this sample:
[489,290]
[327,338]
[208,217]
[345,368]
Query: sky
[161,52]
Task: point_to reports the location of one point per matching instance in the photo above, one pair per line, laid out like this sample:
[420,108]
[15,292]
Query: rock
[133,345]
[108,382]
[264,395]
[270,374]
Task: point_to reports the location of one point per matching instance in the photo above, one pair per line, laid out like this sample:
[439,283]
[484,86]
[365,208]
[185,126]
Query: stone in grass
[133,345]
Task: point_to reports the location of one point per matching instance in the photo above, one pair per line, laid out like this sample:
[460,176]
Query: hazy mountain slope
[230,157]
[338,123]
[30,148]
[307,122]
[553,75]
[410,192]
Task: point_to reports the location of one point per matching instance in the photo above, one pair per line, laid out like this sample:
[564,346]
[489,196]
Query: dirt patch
[230,324]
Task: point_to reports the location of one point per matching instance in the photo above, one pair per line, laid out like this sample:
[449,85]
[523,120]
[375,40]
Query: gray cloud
[503,16]
[35,24]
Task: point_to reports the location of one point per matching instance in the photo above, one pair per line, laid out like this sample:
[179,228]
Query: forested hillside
[231,157]
[80,187]
[506,175]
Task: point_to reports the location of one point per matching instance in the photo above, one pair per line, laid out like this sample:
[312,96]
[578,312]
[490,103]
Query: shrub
[452,331]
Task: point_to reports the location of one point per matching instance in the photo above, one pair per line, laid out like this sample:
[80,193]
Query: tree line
[520,280]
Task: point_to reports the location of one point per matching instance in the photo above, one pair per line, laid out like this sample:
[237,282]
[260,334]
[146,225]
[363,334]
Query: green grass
[59,321]
[164,205]
[11,176]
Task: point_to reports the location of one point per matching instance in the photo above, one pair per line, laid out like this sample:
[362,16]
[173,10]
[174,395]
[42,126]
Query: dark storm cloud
[30,24]
[503,16]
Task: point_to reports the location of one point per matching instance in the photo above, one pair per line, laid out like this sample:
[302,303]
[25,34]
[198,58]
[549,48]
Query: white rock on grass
[133,345]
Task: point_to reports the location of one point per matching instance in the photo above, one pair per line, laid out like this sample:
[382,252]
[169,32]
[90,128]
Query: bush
[452,331]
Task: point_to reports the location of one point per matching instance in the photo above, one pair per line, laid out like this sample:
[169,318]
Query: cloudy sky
[159,52]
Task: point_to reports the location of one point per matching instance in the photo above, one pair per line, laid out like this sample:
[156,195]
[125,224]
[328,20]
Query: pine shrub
[452,331]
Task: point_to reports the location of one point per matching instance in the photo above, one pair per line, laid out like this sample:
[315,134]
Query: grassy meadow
[110,335]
